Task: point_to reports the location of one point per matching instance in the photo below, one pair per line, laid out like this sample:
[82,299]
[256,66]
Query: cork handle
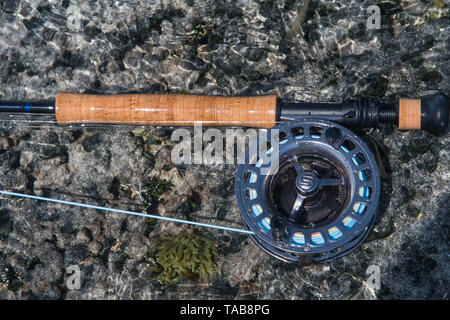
[409,114]
[166,109]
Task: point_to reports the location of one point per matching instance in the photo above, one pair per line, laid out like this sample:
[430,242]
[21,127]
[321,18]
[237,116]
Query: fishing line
[89,206]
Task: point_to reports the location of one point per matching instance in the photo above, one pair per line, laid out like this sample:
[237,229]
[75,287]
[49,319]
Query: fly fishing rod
[429,113]
[320,201]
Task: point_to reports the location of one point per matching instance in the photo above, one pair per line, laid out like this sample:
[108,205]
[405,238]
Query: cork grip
[409,114]
[166,109]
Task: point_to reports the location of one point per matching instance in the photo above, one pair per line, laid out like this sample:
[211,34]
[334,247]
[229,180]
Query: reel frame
[289,240]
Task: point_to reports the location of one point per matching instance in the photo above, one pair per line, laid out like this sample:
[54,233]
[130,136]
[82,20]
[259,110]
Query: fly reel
[319,202]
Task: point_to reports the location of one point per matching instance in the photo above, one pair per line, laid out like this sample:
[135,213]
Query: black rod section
[27,107]
[361,113]
[367,113]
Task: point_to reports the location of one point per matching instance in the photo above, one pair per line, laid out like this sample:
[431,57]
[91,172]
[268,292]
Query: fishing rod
[320,201]
[127,212]
[429,113]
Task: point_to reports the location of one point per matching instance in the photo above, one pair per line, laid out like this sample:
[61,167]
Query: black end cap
[435,114]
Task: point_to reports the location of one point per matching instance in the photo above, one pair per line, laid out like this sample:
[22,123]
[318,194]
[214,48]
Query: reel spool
[319,203]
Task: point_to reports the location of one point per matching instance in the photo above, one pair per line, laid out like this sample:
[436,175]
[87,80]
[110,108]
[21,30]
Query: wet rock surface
[209,47]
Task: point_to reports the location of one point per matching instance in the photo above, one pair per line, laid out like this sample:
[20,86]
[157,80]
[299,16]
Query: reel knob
[278,227]
[307,184]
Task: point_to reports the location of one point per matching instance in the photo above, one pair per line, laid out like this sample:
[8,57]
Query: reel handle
[166,109]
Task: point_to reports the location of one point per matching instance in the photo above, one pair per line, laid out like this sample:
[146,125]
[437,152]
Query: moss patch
[153,190]
[186,256]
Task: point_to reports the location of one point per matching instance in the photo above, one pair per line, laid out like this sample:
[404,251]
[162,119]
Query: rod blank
[27,107]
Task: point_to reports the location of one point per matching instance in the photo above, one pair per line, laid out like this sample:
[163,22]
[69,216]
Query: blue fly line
[131,213]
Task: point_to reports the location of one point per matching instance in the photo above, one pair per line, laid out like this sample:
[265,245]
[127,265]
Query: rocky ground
[306,50]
